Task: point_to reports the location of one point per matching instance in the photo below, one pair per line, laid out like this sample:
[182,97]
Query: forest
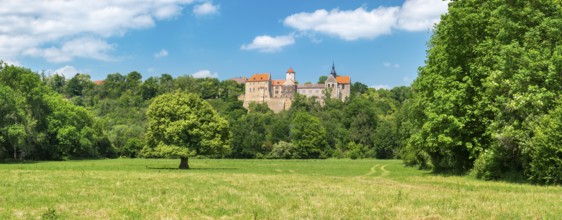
[53,118]
[486,102]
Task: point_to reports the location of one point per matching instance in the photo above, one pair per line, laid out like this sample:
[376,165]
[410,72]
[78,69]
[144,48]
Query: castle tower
[290,77]
[289,87]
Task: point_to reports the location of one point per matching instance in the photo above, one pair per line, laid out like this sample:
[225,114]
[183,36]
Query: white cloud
[67,71]
[361,23]
[206,8]
[36,27]
[348,25]
[389,64]
[266,43]
[205,74]
[420,15]
[382,86]
[81,47]
[161,53]
[10,62]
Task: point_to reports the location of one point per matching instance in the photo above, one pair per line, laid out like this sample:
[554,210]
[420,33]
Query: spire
[333,73]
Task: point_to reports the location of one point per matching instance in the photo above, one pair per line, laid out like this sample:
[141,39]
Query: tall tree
[493,67]
[183,125]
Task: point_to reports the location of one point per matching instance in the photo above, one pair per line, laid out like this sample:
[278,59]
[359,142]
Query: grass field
[260,189]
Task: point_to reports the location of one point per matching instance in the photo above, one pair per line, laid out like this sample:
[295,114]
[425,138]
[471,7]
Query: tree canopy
[493,69]
[183,125]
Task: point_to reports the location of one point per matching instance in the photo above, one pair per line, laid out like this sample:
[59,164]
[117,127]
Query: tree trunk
[183,163]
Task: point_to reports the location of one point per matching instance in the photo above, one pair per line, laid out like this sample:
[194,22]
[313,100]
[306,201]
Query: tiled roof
[277,82]
[258,77]
[99,82]
[240,80]
[290,70]
[343,79]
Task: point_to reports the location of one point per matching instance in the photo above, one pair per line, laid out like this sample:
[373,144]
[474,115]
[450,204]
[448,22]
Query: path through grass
[273,189]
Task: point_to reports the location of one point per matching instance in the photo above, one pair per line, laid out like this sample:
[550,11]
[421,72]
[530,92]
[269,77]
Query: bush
[545,150]
[282,150]
[496,163]
[132,148]
[356,151]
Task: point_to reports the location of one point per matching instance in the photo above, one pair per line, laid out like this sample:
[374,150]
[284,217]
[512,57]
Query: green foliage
[322,79]
[356,151]
[545,154]
[113,119]
[493,68]
[229,90]
[56,82]
[132,148]
[77,86]
[167,151]
[386,140]
[283,150]
[308,136]
[50,214]
[360,118]
[11,110]
[37,123]
[259,108]
[301,103]
[71,129]
[249,135]
[358,88]
[182,125]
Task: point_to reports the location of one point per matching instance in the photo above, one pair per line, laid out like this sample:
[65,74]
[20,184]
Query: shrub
[282,150]
[356,151]
[545,150]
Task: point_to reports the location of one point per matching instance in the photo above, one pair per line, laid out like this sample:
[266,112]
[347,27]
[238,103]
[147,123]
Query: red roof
[290,70]
[239,80]
[99,82]
[276,82]
[258,77]
[343,79]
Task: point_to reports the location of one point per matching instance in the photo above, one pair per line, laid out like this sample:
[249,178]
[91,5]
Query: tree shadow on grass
[19,161]
[513,178]
[193,168]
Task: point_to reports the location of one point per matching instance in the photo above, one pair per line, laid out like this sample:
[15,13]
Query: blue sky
[378,43]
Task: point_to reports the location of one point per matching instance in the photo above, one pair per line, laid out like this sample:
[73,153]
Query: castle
[279,94]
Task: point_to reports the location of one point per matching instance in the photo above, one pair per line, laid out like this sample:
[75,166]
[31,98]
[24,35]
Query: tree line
[52,118]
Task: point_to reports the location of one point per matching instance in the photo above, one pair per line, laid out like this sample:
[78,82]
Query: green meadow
[260,189]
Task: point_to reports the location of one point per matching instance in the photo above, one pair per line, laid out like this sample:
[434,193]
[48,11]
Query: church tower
[333,73]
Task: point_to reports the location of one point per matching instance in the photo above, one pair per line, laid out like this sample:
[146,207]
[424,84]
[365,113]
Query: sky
[380,43]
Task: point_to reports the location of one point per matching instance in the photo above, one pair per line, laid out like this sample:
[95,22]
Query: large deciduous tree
[183,125]
[493,68]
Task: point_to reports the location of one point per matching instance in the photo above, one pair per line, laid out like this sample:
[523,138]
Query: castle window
[342,86]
